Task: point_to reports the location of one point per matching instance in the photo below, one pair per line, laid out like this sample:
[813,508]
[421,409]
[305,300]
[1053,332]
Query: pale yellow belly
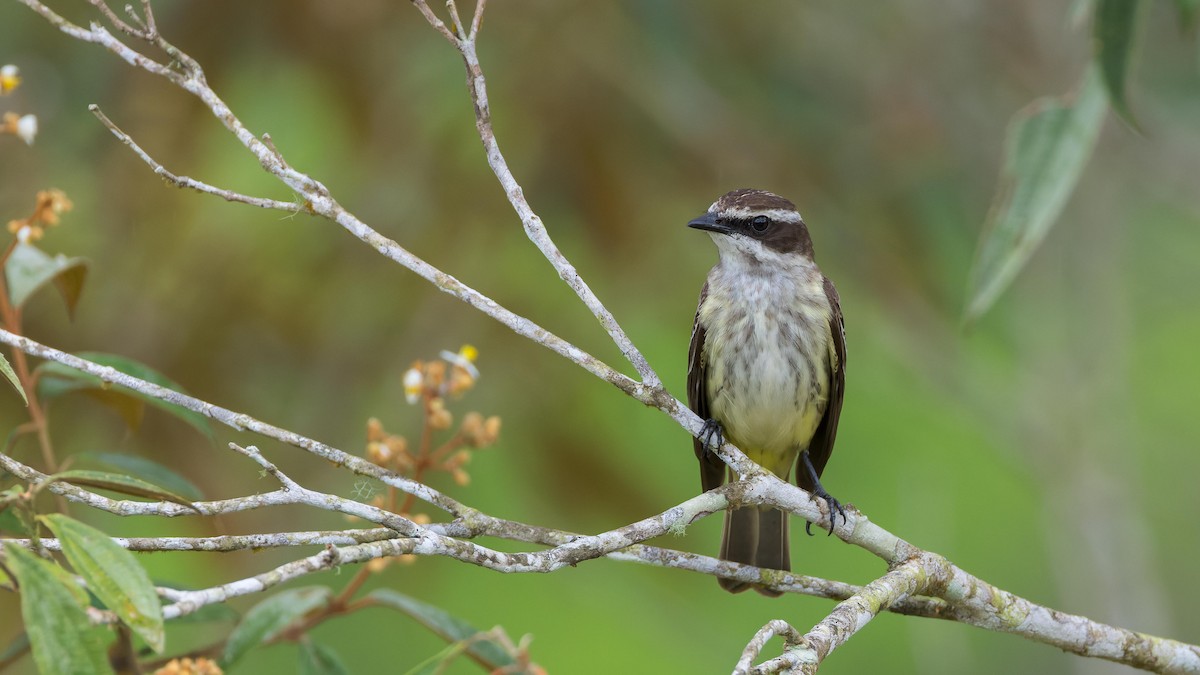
[768,374]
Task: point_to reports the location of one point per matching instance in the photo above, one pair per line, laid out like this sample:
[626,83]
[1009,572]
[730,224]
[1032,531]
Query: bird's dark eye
[760,223]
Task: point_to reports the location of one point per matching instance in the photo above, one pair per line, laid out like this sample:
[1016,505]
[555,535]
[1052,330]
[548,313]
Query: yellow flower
[414,380]
[10,78]
[465,359]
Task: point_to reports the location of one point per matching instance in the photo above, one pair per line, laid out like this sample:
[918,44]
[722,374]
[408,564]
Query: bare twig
[184,181]
[238,421]
[452,8]
[791,638]
[852,614]
[236,542]
[535,229]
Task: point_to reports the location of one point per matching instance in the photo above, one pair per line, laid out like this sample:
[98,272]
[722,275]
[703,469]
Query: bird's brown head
[748,216]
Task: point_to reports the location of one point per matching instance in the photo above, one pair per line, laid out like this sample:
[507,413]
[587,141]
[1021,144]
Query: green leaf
[1047,147]
[29,268]
[56,379]
[52,608]
[486,652]
[318,659]
[144,469]
[113,574]
[117,483]
[12,378]
[1115,27]
[265,620]
[10,522]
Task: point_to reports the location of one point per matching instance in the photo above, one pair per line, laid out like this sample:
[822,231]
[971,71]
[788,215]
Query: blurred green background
[1051,449]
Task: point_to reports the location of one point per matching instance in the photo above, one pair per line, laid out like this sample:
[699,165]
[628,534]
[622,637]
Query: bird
[766,366]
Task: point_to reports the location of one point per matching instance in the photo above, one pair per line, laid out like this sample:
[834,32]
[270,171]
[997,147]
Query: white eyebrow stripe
[742,213]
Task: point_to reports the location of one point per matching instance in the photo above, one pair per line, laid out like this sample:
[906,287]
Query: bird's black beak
[709,222]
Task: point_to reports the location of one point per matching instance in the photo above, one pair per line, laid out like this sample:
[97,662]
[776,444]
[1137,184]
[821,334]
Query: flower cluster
[431,384]
[49,206]
[187,666]
[24,127]
[453,376]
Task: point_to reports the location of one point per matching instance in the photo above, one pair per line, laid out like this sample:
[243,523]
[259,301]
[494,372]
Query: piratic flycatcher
[766,364]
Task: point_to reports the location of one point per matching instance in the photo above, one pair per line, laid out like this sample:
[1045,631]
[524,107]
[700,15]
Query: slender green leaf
[265,620]
[318,659]
[53,611]
[117,483]
[55,379]
[7,370]
[487,653]
[144,469]
[1115,28]
[1047,147]
[29,269]
[113,574]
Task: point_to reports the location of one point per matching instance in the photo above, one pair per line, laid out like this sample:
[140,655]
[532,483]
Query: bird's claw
[712,435]
[835,509]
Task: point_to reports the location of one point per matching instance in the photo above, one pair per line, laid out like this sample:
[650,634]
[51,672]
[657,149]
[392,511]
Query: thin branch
[852,614]
[190,183]
[117,21]
[238,421]
[472,526]
[535,229]
[437,23]
[452,8]
[186,602]
[968,599]
[791,638]
[235,542]
[317,200]
[97,34]
[477,19]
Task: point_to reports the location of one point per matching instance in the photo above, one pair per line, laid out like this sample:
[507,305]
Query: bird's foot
[835,509]
[712,435]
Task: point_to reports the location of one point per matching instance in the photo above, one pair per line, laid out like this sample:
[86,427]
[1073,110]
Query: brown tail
[755,537]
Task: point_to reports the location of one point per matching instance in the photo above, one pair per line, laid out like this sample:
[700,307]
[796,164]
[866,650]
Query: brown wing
[821,445]
[712,469]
